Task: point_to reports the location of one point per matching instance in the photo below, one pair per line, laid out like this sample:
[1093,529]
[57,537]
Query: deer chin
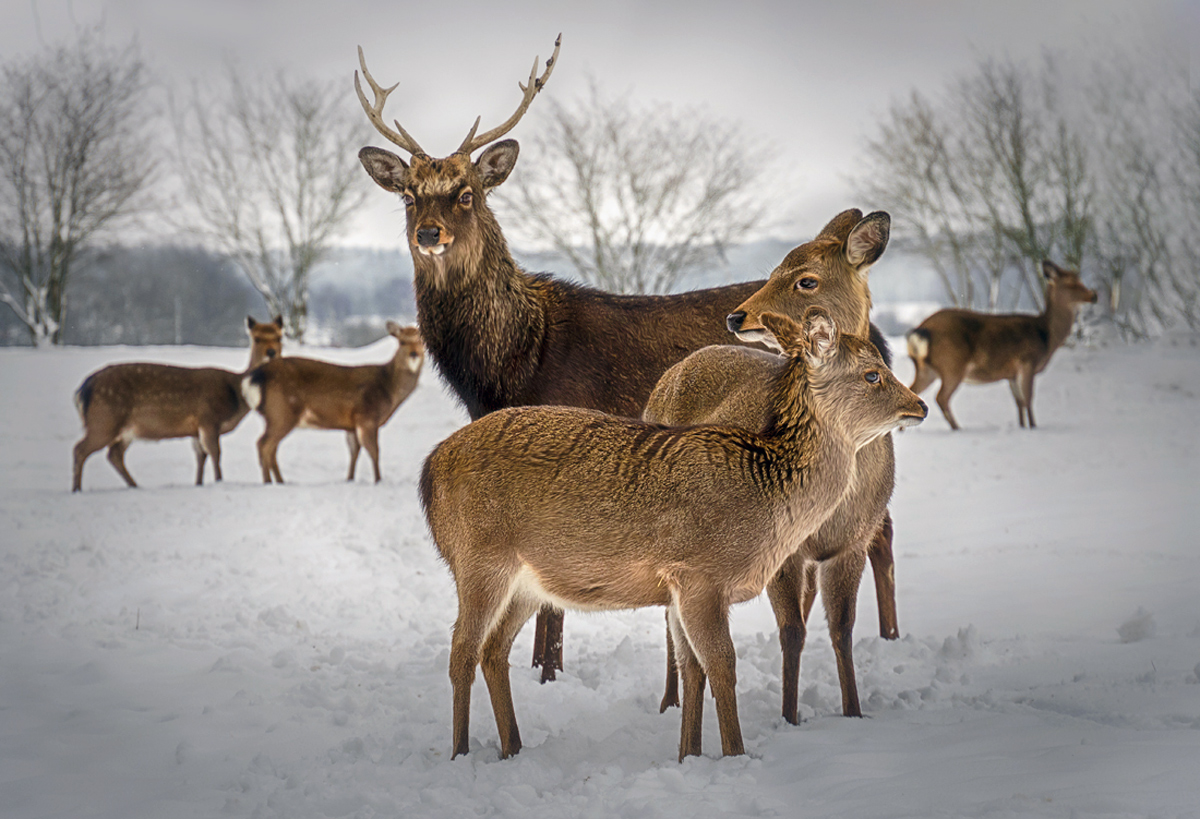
[434,250]
[759,336]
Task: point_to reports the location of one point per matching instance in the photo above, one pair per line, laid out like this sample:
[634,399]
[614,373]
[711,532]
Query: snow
[281,651]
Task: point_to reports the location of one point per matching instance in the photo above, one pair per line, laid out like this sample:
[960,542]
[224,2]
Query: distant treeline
[170,294]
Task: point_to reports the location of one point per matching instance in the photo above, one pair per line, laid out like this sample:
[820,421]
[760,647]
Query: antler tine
[398,137]
[536,83]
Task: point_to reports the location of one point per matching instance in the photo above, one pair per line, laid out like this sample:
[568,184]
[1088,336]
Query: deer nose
[270,353]
[734,321]
[924,407]
[428,237]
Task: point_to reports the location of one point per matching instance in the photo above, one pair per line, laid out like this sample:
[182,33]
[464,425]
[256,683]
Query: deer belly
[312,419]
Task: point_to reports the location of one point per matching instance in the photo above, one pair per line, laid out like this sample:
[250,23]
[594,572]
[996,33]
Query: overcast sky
[810,78]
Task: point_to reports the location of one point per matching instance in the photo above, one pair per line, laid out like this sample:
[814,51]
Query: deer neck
[1057,319]
[483,322]
[816,456]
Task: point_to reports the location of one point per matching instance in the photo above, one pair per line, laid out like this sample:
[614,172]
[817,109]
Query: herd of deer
[621,452]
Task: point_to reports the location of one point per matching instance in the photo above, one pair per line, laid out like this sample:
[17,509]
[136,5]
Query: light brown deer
[300,392]
[979,348]
[124,402]
[729,385]
[501,337]
[579,509]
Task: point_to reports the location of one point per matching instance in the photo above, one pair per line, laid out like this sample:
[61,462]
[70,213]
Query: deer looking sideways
[572,507]
[731,385]
[979,348]
[501,337]
[301,392]
[124,402]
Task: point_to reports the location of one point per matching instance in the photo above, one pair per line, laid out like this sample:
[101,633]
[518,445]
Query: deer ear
[867,241]
[496,162]
[840,225]
[1050,270]
[250,322]
[788,334]
[388,170]
[394,329]
[821,333]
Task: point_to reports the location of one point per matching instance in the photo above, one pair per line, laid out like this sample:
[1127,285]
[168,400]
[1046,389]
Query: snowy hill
[281,651]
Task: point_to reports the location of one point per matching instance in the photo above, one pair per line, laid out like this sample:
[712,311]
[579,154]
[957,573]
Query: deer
[125,402]
[730,385]
[501,337]
[979,348]
[579,509]
[302,392]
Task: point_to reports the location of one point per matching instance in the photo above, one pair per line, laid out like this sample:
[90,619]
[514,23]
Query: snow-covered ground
[281,651]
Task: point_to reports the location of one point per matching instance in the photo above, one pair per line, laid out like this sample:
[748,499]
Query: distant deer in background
[731,385]
[577,508]
[979,348]
[300,392]
[501,337]
[124,402]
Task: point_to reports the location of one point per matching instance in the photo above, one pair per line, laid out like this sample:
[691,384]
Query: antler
[375,112]
[472,142]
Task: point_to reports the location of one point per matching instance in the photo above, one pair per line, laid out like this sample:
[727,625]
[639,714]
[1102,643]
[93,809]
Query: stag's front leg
[547,642]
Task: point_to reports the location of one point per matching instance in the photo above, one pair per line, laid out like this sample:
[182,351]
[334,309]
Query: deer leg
[949,385]
[705,619]
[369,436]
[116,457]
[210,442]
[547,642]
[924,377]
[1027,392]
[671,690]
[481,600]
[840,577]
[83,450]
[352,443]
[785,593]
[201,457]
[692,718]
[494,662]
[883,566]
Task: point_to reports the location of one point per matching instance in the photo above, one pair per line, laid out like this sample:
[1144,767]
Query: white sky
[809,78]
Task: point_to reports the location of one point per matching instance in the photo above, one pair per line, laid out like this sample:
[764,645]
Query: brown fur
[576,508]
[302,392]
[729,385]
[502,337]
[979,348]
[125,402]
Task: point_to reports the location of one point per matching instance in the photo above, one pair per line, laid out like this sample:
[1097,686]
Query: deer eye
[408,200]
[465,199]
[872,377]
[807,283]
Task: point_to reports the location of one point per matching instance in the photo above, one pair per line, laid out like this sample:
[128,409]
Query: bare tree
[270,174]
[633,199]
[988,183]
[74,160]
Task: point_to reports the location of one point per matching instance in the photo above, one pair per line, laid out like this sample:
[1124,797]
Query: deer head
[830,272]
[445,199]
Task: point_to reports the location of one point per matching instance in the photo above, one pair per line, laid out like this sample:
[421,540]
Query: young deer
[979,348]
[575,508]
[501,337]
[124,402]
[301,392]
[729,385]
